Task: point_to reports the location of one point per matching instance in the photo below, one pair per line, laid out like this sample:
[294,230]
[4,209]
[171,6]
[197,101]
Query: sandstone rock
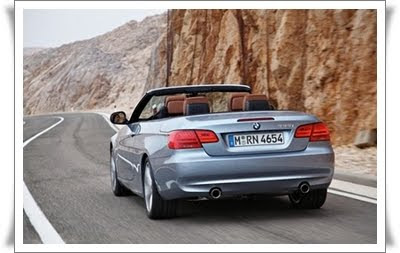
[318,61]
[366,138]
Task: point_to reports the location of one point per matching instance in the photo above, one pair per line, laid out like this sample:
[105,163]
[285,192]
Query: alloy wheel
[296,197]
[148,187]
[112,173]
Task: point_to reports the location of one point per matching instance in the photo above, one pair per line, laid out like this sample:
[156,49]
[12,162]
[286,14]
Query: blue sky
[52,28]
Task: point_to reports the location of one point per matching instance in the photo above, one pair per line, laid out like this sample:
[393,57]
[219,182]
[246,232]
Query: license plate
[239,140]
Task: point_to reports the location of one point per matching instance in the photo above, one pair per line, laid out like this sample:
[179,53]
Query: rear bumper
[192,173]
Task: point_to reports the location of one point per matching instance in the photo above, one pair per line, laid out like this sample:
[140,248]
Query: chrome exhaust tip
[215,193]
[304,188]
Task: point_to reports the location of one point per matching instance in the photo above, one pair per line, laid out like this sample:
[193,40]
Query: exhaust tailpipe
[304,188]
[215,193]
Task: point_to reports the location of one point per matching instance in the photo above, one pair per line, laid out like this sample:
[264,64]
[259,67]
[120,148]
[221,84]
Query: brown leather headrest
[256,102]
[236,102]
[251,97]
[196,105]
[174,98]
[174,104]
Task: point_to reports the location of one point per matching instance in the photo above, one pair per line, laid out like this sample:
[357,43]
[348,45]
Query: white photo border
[381,121]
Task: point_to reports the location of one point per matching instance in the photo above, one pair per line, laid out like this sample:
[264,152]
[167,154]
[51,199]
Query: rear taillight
[304,131]
[316,132]
[185,139]
[320,132]
[206,136]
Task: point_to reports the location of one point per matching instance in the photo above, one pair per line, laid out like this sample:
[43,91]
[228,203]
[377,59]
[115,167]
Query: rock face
[318,61]
[103,72]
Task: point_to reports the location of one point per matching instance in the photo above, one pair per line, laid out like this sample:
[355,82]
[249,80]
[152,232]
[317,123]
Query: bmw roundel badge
[256,126]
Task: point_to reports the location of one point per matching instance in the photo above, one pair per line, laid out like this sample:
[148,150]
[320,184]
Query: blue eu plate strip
[231,143]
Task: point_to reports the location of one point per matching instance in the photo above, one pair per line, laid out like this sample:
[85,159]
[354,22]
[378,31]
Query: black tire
[116,186]
[312,200]
[156,206]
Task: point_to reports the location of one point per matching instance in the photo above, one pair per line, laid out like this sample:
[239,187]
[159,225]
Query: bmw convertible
[218,141]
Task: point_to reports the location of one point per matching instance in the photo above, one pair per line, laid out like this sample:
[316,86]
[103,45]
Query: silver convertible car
[218,141]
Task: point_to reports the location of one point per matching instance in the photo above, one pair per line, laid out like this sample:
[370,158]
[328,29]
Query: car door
[127,157]
[132,142]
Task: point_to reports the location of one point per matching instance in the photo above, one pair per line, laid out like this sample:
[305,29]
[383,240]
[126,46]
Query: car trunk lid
[242,133]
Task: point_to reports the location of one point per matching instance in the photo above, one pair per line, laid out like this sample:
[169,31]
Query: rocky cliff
[319,61]
[103,72]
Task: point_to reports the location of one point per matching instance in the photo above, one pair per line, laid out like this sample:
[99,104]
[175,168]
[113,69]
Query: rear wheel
[312,200]
[116,186]
[156,207]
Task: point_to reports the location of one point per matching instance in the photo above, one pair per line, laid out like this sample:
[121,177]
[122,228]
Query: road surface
[66,171]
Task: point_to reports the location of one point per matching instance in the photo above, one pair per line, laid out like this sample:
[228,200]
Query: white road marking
[43,227]
[356,189]
[42,132]
[349,195]
[107,119]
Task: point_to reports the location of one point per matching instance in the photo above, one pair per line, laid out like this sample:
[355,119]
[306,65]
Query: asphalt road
[67,173]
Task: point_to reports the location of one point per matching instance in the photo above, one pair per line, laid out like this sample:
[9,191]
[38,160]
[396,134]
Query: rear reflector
[186,139]
[316,132]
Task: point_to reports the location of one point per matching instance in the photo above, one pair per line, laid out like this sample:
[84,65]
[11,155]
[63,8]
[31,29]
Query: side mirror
[118,118]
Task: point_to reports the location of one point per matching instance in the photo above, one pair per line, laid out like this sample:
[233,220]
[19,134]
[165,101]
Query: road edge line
[104,115]
[42,132]
[354,188]
[40,223]
[352,196]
